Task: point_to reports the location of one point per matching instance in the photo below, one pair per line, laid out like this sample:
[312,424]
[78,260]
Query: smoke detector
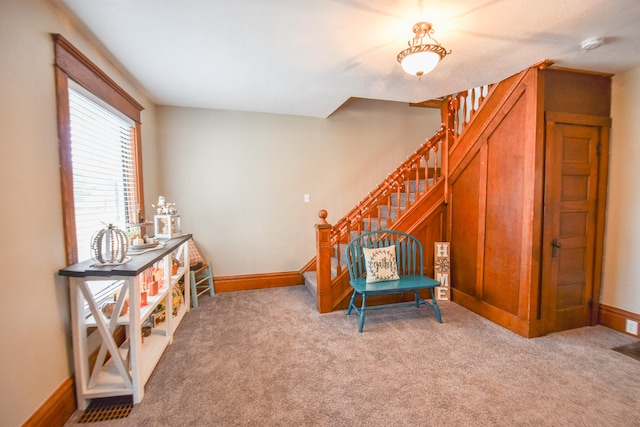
[591,43]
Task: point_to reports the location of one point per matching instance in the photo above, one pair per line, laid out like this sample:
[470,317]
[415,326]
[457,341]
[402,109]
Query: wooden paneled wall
[497,194]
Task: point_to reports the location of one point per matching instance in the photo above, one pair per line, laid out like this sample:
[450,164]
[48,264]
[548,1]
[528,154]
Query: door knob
[555,246]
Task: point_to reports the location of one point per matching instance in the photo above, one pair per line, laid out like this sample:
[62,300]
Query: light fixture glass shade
[420,63]
[420,57]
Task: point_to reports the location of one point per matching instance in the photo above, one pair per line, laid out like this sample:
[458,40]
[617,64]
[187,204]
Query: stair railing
[418,173]
[428,164]
[465,105]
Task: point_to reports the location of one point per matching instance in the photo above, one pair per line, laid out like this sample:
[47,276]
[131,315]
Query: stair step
[403,199]
[311,282]
[421,185]
[375,224]
[343,254]
[310,277]
[384,211]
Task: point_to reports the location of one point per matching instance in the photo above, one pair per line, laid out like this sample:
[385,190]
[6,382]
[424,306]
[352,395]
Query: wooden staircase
[340,290]
[412,199]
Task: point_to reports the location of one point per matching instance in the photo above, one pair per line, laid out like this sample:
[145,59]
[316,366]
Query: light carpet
[267,358]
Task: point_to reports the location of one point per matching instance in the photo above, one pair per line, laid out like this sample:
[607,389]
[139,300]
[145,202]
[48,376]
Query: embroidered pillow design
[381,264]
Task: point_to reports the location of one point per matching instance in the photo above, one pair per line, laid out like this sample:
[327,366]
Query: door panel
[571,191]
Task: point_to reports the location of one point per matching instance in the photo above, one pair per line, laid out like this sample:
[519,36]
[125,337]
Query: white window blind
[104,180]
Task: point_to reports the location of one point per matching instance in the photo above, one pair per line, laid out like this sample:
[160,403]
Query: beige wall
[621,279]
[35,355]
[239,179]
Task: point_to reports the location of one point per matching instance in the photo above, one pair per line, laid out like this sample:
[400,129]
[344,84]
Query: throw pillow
[195,259]
[381,264]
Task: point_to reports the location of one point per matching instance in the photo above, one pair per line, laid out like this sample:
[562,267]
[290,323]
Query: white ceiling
[307,57]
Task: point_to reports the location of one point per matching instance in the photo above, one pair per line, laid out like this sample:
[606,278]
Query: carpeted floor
[267,358]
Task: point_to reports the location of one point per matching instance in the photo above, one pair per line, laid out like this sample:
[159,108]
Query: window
[102,168]
[98,126]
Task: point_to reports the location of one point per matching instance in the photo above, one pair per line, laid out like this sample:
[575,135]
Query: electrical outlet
[631,327]
[307,199]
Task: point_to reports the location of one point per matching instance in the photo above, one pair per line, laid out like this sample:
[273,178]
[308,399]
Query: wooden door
[575,174]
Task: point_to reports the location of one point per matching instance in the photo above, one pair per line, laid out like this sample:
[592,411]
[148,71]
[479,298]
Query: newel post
[323,262]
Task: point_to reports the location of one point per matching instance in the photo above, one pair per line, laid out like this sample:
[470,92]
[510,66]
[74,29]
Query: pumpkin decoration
[109,307]
[109,245]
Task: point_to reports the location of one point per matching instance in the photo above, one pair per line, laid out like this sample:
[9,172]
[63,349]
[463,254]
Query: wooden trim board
[257,281]
[616,318]
[57,409]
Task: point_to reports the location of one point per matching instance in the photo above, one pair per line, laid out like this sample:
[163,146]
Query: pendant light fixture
[420,57]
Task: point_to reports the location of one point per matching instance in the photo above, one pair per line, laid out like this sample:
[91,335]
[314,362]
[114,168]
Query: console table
[104,366]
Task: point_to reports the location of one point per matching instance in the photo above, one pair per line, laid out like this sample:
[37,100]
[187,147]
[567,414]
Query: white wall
[621,277]
[35,342]
[239,178]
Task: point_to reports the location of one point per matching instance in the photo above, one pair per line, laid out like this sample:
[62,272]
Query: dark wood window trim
[70,63]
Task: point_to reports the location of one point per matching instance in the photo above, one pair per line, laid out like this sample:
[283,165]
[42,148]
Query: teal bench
[387,262]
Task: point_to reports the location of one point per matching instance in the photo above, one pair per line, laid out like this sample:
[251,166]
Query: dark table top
[136,265]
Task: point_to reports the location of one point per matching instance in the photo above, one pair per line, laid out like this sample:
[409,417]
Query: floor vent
[631,350]
[108,408]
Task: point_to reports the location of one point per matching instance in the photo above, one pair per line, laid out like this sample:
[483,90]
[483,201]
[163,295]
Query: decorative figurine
[109,245]
[166,223]
[164,208]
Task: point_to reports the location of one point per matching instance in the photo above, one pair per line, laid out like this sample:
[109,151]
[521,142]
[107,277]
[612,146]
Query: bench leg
[415,293]
[362,312]
[353,297]
[435,305]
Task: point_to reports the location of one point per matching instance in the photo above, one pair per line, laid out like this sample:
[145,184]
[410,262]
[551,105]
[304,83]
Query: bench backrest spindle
[409,252]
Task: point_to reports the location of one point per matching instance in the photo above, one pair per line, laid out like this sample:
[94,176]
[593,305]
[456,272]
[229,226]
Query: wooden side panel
[432,230]
[495,188]
[499,209]
[504,210]
[465,211]
[577,93]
